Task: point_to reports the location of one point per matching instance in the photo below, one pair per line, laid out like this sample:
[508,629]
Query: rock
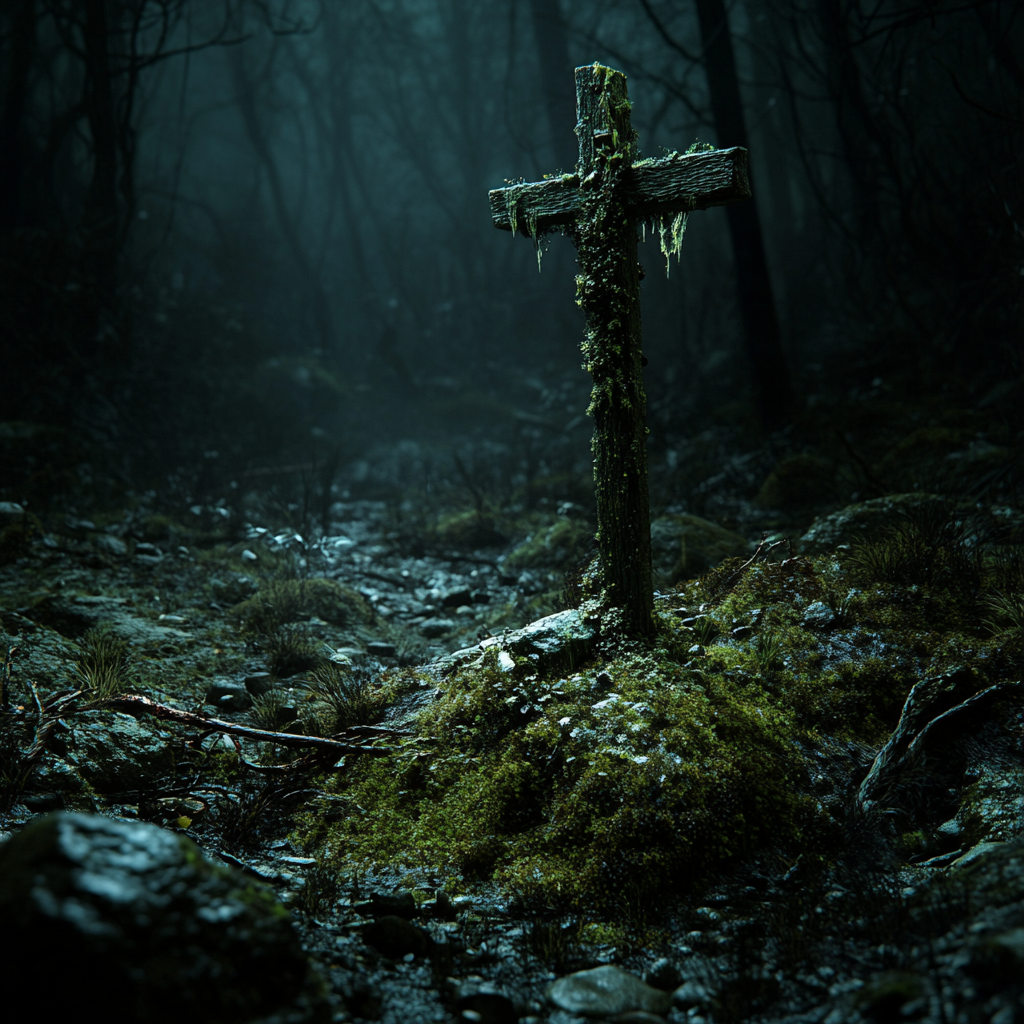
[604,991]
[73,618]
[636,1017]
[560,640]
[433,627]
[505,661]
[439,908]
[233,589]
[111,545]
[259,683]
[685,546]
[691,993]
[394,937]
[381,649]
[10,512]
[401,904]
[863,521]
[229,696]
[490,1004]
[663,974]
[114,752]
[818,616]
[455,597]
[142,926]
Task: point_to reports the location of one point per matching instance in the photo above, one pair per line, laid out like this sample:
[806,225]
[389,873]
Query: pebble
[111,545]
[433,627]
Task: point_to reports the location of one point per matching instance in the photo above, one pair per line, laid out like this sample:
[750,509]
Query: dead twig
[134,705]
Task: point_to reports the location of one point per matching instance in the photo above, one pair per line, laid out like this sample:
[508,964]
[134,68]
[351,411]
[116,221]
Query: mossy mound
[651,769]
[559,545]
[282,601]
[468,531]
[685,546]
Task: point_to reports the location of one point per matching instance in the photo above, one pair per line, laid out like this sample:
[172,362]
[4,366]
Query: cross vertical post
[608,292]
[599,207]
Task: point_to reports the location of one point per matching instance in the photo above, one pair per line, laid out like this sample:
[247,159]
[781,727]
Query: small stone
[402,904]
[505,661]
[249,556]
[259,683]
[818,616]
[229,696]
[111,545]
[604,991]
[10,511]
[664,974]
[482,1002]
[455,597]
[690,993]
[381,649]
[433,627]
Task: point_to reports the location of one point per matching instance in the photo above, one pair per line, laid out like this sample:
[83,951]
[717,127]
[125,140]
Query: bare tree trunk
[757,305]
[12,158]
[245,97]
[552,44]
[101,215]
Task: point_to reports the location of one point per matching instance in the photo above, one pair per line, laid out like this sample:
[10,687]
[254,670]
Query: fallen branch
[134,705]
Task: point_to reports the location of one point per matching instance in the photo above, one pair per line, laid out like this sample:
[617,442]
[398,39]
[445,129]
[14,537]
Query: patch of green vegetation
[104,665]
[569,794]
[280,602]
[646,774]
[337,697]
[559,544]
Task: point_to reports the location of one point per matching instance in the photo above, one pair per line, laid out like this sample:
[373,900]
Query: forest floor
[841,840]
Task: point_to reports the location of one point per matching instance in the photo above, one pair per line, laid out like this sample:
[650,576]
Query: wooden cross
[599,207]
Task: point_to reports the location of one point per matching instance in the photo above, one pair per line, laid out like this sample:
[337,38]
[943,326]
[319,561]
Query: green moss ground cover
[652,768]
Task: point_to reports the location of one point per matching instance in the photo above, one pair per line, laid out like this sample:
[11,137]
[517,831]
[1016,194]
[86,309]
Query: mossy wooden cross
[599,207]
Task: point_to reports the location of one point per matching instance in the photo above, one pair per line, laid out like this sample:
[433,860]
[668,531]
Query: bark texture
[757,305]
[608,291]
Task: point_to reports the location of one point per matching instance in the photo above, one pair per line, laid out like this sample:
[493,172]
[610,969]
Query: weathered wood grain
[657,187]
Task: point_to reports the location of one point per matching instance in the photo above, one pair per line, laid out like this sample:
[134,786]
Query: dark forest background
[249,240]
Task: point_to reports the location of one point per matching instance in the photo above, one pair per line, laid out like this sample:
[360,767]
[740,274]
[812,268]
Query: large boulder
[131,922]
[865,520]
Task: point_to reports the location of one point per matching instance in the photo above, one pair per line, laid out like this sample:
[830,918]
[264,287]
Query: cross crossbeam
[651,188]
[599,207]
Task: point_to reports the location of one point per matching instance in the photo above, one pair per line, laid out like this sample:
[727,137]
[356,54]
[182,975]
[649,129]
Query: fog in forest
[244,237]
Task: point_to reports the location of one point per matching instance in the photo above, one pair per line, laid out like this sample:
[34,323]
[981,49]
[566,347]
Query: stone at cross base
[600,207]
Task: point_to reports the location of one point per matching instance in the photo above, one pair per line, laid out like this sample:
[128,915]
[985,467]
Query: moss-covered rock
[865,520]
[144,927]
